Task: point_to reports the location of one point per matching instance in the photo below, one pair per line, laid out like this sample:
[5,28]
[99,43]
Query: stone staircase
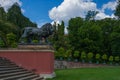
[11,71]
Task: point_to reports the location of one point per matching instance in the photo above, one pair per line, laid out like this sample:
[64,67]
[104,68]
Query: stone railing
[67,64]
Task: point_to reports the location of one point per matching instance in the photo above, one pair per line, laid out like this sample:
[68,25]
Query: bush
[111,59]
[1,43]
[117,58]
[68,53]
[76,54]
[83,56]
[104,58]
[90,55]
[97,56]
[61,52]
[35,41]
[11,40]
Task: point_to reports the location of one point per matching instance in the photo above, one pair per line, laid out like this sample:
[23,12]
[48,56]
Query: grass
[105,73]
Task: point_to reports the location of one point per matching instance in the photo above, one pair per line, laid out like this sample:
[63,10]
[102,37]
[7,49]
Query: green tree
[107,26]
[73,28]
[58,37]
[90,56]
[117,58]
[91,15]
[104,58]
[68,53]
[76,54]
[97,57]
[5,28]
[1,43]
[3,15]
[117,11]
[15,16]
[11,40]
[61,53]
[115,39]
[83,56]
[111,59]
[90,37]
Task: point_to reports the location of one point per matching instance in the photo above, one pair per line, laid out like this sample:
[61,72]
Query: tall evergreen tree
[117,11]
[15,16]
[2,14]
[73,28]
[91,15]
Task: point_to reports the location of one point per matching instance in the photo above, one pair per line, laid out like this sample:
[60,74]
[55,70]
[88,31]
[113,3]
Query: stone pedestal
[37,58]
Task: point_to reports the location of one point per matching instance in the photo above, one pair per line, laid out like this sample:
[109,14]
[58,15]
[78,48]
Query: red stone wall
[42,62]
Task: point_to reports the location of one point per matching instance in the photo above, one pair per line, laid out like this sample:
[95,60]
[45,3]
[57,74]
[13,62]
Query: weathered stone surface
[36,47]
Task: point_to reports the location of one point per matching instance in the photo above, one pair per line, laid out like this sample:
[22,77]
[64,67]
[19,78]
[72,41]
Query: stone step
[38,78]
[11,71]
[3,66]
[13,74]
[16,77]
[29,77]
[7,64]
[3,69]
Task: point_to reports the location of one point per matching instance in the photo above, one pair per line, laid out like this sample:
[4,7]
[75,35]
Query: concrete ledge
[35,47]
[25,50]
[52,75]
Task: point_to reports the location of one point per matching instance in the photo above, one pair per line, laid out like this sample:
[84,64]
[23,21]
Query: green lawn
[105,73]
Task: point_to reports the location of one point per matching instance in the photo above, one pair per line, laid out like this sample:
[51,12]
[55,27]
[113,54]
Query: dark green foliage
[117,11]
[15,16]
[76,54]
[2,14]
[73,29]
[68,53]
[83,55]
[11,40]
[111,58]
[117,58]
[90,55]
[104,57]
[89,37]
[5,28]
[97,56]
[12,22]
[91,15]
[58,38]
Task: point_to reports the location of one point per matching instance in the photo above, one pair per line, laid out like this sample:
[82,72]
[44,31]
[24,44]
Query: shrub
[76,53]
[90,55]
[97,56]
[35,41]
[1,43]
[83,55]
[61,52]
[111,58]
[104,57]
[11,40]
[117,58]
[68,53]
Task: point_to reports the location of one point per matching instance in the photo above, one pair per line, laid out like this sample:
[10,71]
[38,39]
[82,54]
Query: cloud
[78,8]
[110,6]
[101,15]
[6,4]
[70,9]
